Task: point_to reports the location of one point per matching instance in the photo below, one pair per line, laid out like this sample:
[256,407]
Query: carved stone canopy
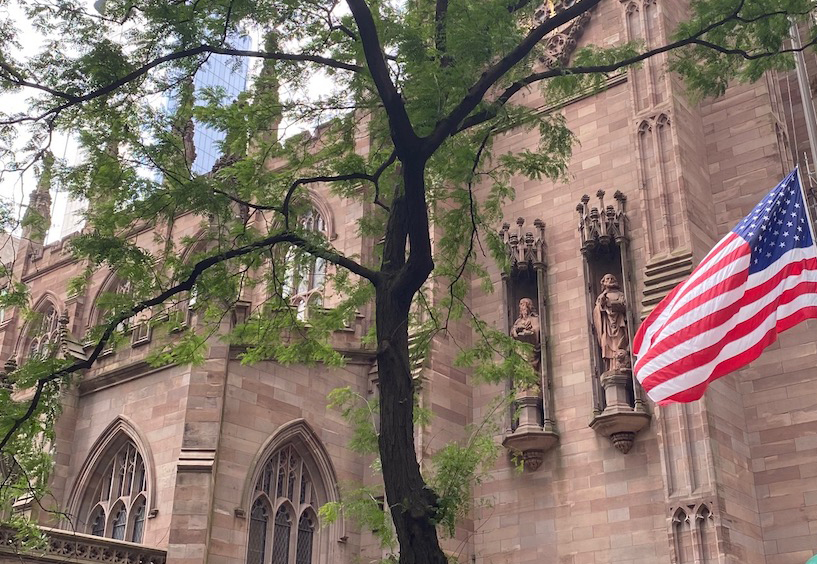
[525,248]
[602,226]
[561,44]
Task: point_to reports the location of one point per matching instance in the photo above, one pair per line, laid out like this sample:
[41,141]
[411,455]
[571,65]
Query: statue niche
[618,407]
[531,429]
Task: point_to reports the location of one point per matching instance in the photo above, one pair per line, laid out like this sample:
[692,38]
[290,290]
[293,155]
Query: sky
[15,188]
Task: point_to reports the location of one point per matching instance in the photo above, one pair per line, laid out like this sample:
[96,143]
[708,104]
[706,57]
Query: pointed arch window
[306,529]
[115,502]
[306,274]
[285,488]
[119,523]
[138,521]
[115,294]
[44,335]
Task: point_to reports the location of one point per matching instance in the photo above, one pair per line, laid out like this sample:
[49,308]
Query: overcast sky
[14,187]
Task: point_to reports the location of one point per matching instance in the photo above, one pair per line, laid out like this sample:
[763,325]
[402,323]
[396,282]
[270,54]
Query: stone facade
[730,479]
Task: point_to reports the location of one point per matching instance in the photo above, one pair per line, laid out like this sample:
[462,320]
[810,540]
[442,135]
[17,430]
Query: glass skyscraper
[228,74]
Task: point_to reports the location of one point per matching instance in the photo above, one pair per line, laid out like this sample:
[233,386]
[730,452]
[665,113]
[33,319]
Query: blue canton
[778,224]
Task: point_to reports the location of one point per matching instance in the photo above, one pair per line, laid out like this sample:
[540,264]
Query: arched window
[114,296]
[305,274]
[285,488]
[116,499]
[44,335]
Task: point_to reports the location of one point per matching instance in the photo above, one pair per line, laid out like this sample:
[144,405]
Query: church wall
[154,402]
[588,502]
[259,400]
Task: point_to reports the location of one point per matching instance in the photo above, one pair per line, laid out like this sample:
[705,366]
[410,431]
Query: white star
[797,237]
[785,234]
[776,233]
[799,228]
[768,255]
[793,214]
[750,233]
[797,204]
[789,224]
[782,244]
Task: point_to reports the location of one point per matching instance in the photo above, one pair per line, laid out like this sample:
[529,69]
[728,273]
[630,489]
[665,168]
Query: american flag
[758,281]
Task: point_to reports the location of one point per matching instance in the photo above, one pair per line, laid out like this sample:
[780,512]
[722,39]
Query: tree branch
[14,77]
[402,133]
[508,93]
[477,91]
[72,100]
[184,286]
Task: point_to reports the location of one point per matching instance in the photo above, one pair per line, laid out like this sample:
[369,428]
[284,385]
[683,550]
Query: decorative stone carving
[526,329]
[618,411]
[610,324]
[534,432]
[37,218]
[64,546]
[561,44]
[602,226]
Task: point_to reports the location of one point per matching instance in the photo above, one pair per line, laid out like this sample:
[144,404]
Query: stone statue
[610,325]
[526,328]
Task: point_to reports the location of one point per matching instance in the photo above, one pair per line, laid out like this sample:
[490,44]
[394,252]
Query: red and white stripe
[722,318]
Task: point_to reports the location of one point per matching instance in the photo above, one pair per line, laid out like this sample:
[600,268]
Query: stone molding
[661,275]
[196,460]
[66,546]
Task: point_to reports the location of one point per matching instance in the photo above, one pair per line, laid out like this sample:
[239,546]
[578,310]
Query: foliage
[428,85]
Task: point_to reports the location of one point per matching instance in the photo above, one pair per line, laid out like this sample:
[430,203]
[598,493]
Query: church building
[229,463]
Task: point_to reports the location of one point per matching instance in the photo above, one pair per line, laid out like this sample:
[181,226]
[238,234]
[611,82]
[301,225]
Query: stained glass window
[259,521]
[283,483]
[44,334]
[305,276]
[306,528]
[280,542]
[138,522]
[119,522]
[118,495]
[98,522]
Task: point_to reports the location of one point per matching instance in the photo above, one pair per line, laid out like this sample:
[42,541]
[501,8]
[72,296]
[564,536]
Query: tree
[431,82]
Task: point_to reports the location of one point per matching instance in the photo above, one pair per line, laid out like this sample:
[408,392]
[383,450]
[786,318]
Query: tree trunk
[413,504]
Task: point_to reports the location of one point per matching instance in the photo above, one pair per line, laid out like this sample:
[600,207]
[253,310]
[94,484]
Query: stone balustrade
[67,546]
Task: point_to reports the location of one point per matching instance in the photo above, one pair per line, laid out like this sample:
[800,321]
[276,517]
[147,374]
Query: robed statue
[527,329]
[610,325]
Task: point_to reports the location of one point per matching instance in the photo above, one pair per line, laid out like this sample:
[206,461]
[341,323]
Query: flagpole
[807,206]
[805,94]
